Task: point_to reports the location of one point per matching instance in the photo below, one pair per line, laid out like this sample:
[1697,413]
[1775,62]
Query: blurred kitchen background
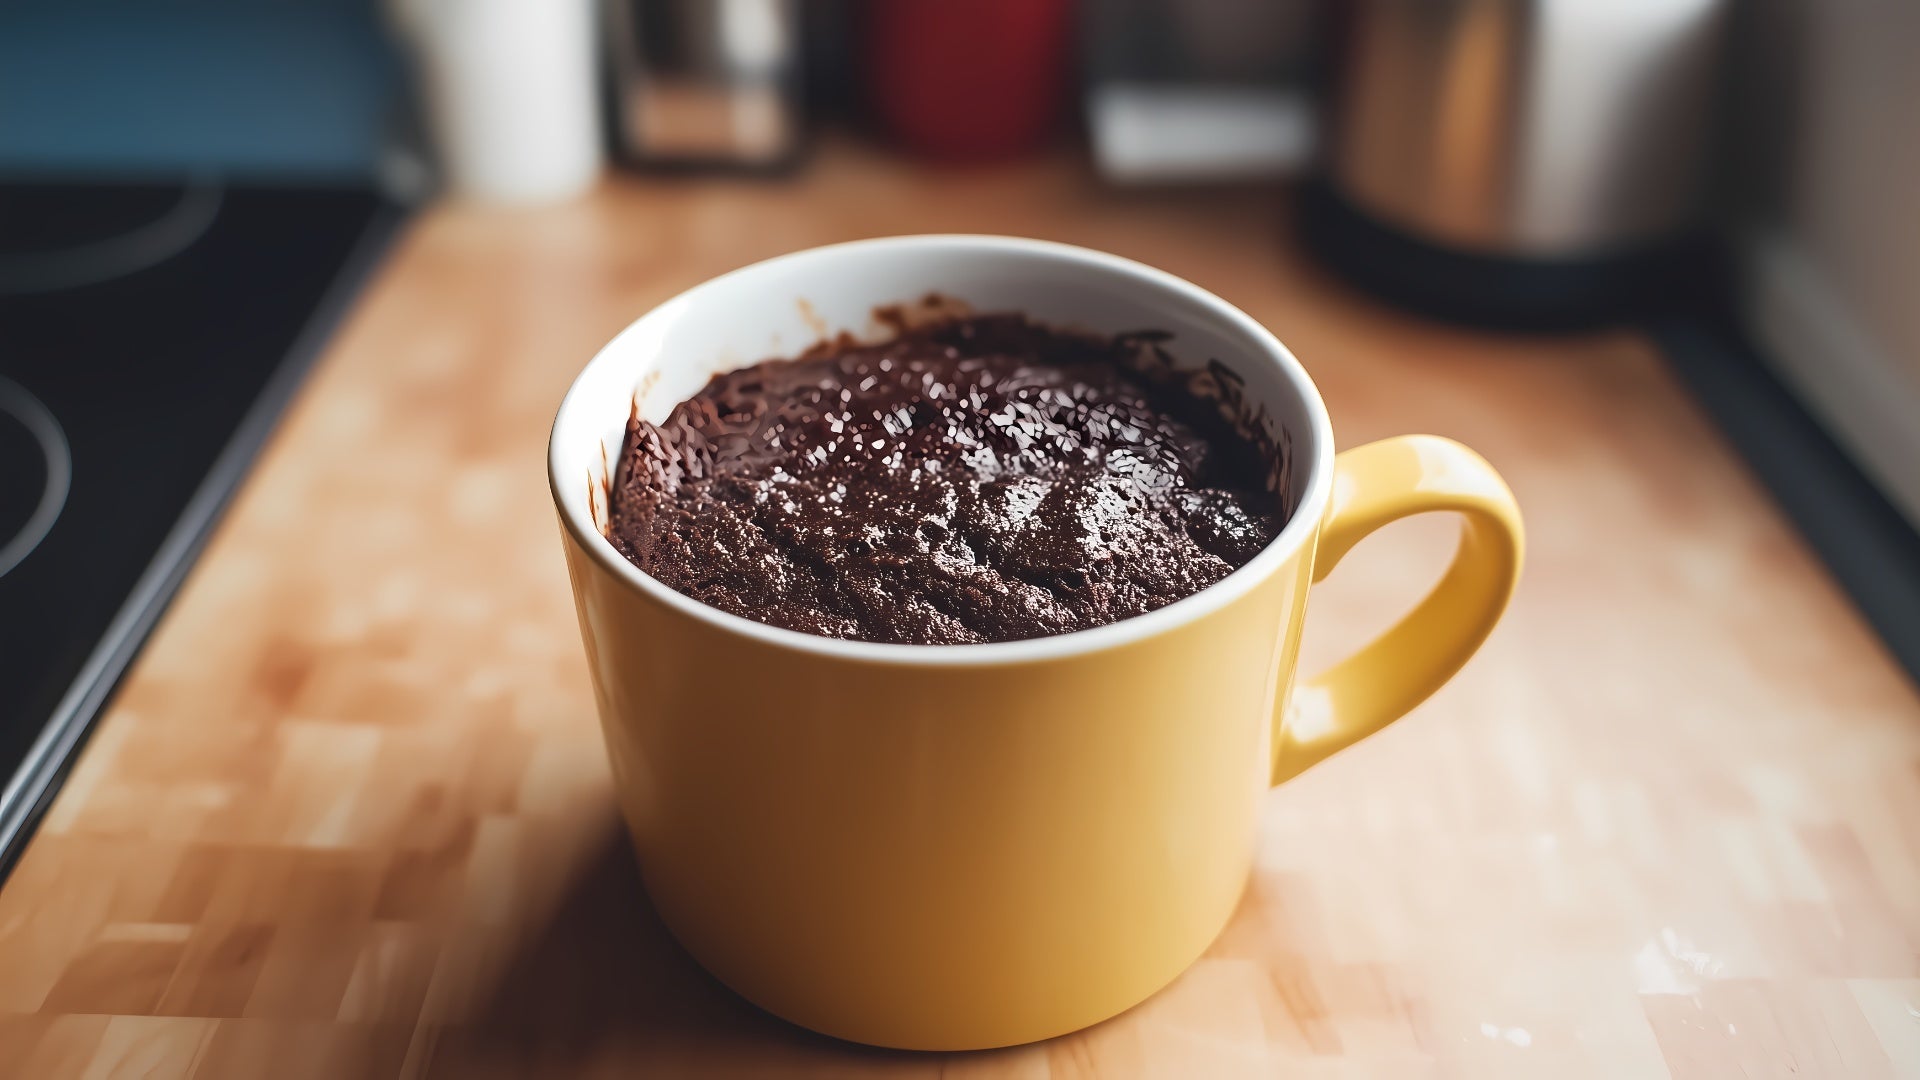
[190,191]
[1534,162]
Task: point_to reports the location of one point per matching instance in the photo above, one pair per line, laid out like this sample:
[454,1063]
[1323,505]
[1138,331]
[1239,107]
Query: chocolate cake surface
[983,479]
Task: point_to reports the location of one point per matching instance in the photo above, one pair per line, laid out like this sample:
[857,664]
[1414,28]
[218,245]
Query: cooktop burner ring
[19,404]
[97,261]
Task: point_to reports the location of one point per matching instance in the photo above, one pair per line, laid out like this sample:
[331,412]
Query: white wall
[1827,194]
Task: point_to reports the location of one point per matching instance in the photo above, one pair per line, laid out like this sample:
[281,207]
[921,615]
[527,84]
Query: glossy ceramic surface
[970,846]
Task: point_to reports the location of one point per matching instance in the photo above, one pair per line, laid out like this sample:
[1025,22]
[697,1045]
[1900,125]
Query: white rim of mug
[1317,442]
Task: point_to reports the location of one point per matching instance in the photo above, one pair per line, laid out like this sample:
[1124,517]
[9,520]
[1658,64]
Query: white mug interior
[780,307]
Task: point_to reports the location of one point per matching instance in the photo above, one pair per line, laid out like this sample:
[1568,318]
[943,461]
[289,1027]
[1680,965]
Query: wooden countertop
[350,815]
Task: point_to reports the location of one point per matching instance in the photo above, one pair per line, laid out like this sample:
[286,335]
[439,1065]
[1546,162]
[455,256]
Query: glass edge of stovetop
[32,786]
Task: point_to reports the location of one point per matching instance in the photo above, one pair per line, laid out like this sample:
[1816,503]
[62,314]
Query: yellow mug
[951,847]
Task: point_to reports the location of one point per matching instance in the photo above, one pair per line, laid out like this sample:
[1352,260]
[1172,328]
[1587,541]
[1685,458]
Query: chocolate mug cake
[939,848]
[980,479]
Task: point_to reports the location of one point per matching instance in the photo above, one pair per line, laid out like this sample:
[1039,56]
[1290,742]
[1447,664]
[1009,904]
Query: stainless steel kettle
[1552,136]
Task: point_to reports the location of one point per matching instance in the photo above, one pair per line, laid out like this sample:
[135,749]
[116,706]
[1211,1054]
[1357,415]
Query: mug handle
[1373,485]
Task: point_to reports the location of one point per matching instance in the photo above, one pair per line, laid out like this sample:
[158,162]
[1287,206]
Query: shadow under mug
[953,847]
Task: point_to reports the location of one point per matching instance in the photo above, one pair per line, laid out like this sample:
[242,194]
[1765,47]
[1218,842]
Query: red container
[968,79]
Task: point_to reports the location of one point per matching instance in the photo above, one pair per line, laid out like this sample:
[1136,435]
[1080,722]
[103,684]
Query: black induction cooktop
[149,336]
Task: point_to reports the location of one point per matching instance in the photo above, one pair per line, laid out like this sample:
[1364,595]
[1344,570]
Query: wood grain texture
[350,816]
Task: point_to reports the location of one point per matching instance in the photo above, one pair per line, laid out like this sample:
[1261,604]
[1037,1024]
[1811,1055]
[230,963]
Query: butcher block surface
[350,816]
